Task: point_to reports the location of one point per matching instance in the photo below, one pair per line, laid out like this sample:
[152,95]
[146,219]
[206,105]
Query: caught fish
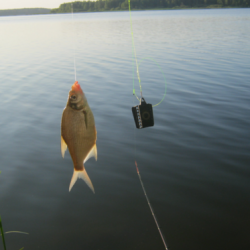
[78,133]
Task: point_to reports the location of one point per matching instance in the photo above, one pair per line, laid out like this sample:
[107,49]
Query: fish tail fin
[81,174]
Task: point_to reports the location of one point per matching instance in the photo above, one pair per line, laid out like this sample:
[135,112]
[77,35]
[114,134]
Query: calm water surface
[194,162]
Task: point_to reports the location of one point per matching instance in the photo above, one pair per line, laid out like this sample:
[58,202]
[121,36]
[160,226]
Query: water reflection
[193,162]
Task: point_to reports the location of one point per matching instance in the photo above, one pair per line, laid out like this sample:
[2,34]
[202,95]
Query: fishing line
[135,151]
[165,92]
[132,34]
[151,209]
[137,65]
[74,47]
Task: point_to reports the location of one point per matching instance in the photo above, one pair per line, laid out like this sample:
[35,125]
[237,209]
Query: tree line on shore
[25,11]
[109,5]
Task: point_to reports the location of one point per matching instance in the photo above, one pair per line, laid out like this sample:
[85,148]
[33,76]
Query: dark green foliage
[32,11]
[2,233]
[107,5]
[1,230]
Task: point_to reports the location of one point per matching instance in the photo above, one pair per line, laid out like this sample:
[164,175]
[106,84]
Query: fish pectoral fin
[92,153]
[82,174]
[63,146]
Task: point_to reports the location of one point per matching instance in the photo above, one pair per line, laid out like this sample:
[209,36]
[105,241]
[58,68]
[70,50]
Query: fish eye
[73,97]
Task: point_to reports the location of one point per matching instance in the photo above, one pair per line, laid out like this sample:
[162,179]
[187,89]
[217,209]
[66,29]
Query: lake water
[194,162]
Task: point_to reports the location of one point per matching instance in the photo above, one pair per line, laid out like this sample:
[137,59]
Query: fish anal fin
[82,174]
[92,153]
[63,146]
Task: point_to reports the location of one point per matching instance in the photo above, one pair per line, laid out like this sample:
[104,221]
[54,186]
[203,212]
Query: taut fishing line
[74,47]
[151,209]
[143,116]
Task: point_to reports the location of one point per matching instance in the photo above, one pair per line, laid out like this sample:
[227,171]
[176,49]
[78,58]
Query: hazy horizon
[21,4]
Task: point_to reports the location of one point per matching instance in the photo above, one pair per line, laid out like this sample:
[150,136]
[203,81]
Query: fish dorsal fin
[63,146]
[92,153]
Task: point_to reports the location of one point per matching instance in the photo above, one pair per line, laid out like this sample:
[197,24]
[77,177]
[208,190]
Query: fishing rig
[143,113]
[144,117]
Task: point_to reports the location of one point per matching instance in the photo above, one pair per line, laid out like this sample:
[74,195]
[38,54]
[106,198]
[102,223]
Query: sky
[19,4]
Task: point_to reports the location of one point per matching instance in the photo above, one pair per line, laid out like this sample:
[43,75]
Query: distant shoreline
[24,11]
[44,11]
